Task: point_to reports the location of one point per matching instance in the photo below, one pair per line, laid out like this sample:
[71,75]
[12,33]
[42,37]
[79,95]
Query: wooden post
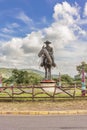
[33,93]
[0,80]
[83,82]
[74,90]
[12,88]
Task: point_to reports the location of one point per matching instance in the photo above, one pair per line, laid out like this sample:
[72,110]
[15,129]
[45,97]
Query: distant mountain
[7,72]
[40,72]
[35,71]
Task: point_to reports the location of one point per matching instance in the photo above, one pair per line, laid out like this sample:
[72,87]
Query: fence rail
[37,92]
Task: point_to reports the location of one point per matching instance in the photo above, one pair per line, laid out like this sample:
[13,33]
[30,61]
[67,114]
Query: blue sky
[37,12]
[26,24]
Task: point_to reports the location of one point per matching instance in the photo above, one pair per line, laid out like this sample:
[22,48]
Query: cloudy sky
[26,24]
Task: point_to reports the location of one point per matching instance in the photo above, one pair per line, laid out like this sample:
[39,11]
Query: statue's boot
[53,64]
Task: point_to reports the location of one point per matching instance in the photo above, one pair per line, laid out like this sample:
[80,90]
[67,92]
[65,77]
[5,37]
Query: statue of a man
[50,51]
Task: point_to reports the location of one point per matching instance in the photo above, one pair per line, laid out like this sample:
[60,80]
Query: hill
[7,72]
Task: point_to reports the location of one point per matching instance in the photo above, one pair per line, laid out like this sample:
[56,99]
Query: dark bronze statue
[47,59]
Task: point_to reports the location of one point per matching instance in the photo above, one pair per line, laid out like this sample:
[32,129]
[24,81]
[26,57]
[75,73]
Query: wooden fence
[37,92]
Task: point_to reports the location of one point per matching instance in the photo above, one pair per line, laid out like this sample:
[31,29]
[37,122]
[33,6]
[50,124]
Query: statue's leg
[45,73]
[42,60]
[53,63]
[49,73]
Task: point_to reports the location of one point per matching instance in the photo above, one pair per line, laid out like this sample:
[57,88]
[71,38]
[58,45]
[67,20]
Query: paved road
[43,122]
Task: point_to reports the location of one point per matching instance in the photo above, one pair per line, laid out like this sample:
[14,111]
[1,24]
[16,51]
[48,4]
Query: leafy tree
[8,81]
[79,67]
[66,78]
[24,77]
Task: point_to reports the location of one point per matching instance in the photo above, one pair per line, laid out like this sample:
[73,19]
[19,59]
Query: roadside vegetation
[26,78]
[22,77]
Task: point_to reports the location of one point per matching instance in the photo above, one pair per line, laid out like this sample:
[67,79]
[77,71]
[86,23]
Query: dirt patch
[44,105]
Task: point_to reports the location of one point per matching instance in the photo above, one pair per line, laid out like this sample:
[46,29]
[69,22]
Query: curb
[68,112]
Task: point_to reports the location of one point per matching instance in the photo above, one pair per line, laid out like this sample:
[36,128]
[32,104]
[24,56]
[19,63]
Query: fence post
[33,93]
[83,82]
[74,90]
[12,87]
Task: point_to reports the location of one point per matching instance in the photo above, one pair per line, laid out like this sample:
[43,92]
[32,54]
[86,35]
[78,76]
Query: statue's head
[47,42]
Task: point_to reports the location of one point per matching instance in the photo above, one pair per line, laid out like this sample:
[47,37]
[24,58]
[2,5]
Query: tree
[66,78]
[20,77]
[24,77]
[79,67]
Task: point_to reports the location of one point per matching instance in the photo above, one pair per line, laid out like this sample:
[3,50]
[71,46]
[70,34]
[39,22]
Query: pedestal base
[48,83]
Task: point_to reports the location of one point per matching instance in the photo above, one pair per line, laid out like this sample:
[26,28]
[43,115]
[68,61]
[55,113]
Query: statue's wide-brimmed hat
[47,42]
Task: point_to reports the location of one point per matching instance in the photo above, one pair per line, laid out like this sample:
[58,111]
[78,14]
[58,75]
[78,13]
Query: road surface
[43,122]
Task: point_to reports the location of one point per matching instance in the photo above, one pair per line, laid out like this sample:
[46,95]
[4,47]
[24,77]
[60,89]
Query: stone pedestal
[48,83]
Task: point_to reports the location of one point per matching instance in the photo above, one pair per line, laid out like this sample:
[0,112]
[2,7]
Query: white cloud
[65,13]
[85,9]
[32,43]
[7,30]
[67,38]
[22,16]
[12,48]
[13,25]
[61,35]
[21,52]
[5,36]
